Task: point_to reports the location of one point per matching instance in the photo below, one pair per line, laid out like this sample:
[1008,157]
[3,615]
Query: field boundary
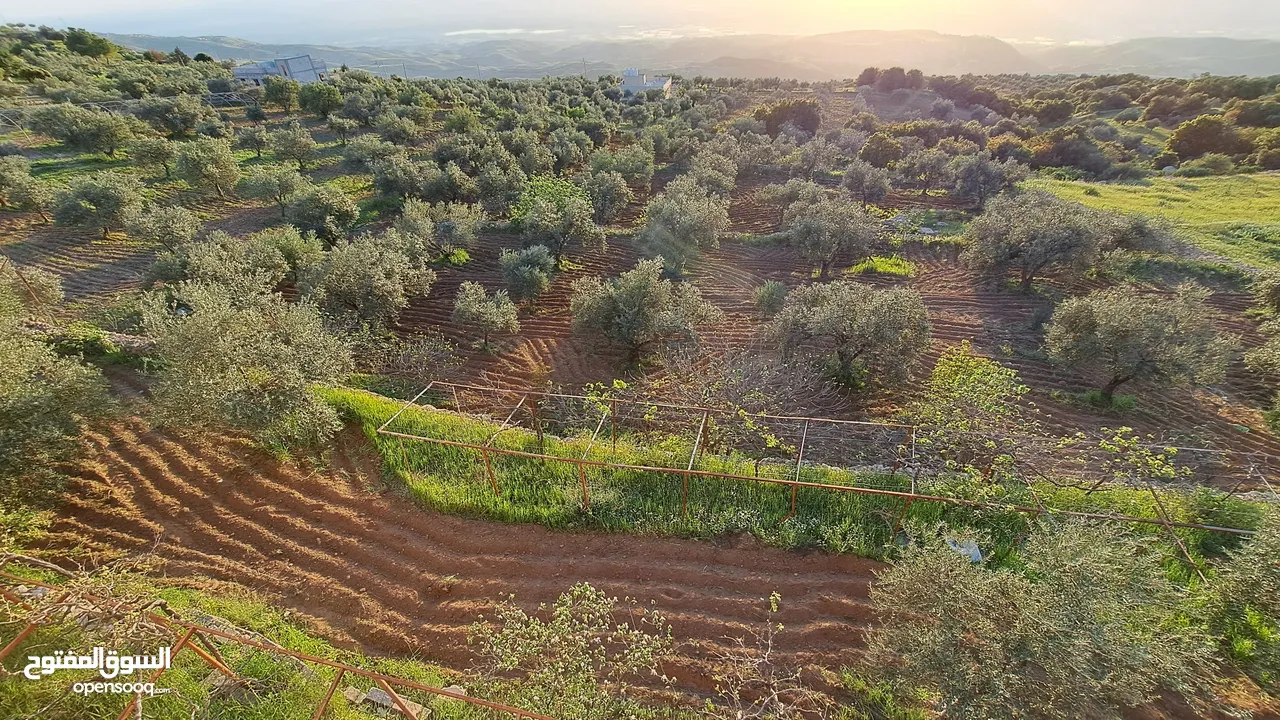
[907,457]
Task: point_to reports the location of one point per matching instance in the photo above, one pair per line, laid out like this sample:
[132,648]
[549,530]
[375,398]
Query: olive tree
[369,279]
[323,210]
[823,230]
[104,200]
[925,169]
[1086,624]
[15,171]
[45,400]
[253,137]
[682,221]
[153,154]
[243,268]
[1031,233]
[978,178]
[576,659]
[634,162]
[869,183]
[33,196]
[21,191]
[247,363]
[319,98]
[447,225]
[1126,334]
[554,212]
[527,272]
[342,127]
[639,310]
[208,162]
[488,314]
[862,334]
[83,129]
[609,195]
[276,183]
[167,226]
[282,92]
[294,143]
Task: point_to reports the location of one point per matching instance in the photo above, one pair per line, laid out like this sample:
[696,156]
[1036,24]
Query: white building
[301,68]
[634,83]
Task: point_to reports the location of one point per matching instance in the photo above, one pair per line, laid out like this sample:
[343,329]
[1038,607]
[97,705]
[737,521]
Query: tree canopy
[863,335]
[1128,335]
[681,222]
[640,311]
[244,362]
[1031,233]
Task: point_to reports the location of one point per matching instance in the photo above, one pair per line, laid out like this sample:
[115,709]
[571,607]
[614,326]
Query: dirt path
[381,574]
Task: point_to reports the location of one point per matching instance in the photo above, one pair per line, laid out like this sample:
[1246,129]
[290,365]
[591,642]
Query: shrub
[1208,164]
[880,265]
[769,297]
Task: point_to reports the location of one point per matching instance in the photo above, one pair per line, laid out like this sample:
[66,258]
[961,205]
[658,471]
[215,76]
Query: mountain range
[813,57]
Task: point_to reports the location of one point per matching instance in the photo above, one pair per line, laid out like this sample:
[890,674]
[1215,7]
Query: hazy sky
[344,20]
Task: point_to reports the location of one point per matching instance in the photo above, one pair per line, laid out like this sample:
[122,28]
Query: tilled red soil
[374,571]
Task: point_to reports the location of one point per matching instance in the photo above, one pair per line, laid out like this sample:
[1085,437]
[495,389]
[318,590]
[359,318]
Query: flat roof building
[301,68]
[634,83]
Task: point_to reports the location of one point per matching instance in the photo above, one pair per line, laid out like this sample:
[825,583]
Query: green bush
[770,296]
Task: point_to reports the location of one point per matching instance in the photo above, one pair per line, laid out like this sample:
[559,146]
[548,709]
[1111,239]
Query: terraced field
[377,572]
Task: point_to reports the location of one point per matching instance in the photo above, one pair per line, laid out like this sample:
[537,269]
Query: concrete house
[634,83]
[301,68]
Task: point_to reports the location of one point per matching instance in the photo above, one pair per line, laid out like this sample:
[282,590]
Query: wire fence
[542,456]
[199,639]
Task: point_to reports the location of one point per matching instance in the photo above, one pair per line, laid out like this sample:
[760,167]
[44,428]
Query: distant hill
[1179,57]
[817,57]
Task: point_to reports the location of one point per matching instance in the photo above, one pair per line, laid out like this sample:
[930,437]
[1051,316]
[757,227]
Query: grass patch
[286,691]
[67,167]
[1211,210]
[880,265]
[354,186]
[454,480]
